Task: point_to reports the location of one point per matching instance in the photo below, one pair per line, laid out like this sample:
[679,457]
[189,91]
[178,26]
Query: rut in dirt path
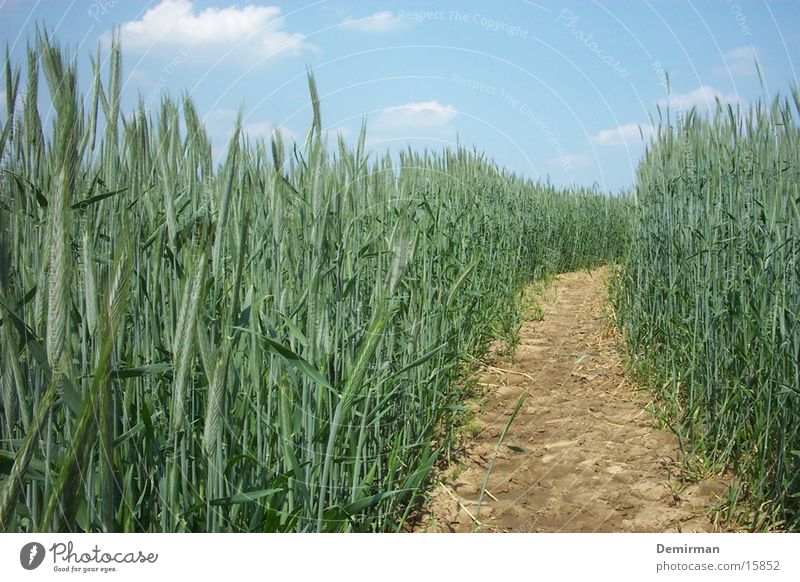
[583,454]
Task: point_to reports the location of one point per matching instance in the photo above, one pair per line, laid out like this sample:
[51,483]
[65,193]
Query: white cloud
[221,122]
[628,134]
[344,132]
[702,97]
[221,114]
[428,114]
[383,21]
[267,130]
[739,62]
[177,24]
[140,78]
[17,104]
[569,161]
[742,52]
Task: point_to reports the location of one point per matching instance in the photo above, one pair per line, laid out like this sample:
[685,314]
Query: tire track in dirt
[583,454]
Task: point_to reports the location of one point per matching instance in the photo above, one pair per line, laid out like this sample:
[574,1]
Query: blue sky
[558,90]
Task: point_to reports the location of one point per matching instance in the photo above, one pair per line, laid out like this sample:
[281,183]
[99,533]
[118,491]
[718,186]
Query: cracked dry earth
[582,454]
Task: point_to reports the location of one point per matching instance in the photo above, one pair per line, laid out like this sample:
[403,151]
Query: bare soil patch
[583,454]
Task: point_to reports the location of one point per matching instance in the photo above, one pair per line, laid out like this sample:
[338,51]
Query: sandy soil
[583,454]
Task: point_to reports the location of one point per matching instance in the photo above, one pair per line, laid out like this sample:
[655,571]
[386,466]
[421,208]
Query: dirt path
[582,454]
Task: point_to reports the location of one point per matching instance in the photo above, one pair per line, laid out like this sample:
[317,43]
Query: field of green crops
[271,344]
[710,295]
[280,342]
